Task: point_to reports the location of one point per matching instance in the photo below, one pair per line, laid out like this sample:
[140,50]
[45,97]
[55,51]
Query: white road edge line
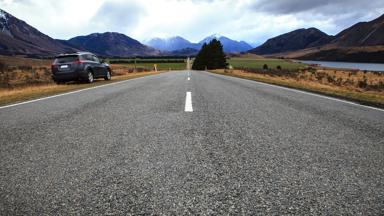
[188,102]
[313,94]
[67,93]
[189,78]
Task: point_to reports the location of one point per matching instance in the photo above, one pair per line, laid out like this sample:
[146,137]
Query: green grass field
[258,63]
[234,62]
[149,63]
[161,66]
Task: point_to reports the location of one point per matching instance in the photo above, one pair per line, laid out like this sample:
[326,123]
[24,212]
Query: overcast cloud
[252,21]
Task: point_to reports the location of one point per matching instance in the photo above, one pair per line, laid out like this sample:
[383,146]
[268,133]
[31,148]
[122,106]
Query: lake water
[348,65]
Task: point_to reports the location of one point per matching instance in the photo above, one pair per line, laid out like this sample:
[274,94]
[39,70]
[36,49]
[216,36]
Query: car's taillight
[53,66]
[78,62]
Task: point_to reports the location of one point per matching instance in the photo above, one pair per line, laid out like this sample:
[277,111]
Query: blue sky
[253,21]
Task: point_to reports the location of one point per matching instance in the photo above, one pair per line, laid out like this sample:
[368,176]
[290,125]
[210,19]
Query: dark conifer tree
[211,56]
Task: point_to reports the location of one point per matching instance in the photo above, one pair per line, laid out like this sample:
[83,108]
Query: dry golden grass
[306,80]
[19,72]
[303,52]
[20,61]
[24,79]
[13,95]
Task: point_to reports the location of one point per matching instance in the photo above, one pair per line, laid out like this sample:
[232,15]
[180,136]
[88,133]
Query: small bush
[265,67]
[312,70]
[363,83]
[24,68]
[3,67]
[339,81]
[380,85]
[278,67]
[330,79]
[320,76]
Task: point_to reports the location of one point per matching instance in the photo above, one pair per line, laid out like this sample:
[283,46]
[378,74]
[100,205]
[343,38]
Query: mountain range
[362,42]
[178,43]
[19,38]
[291,41]
[111,44]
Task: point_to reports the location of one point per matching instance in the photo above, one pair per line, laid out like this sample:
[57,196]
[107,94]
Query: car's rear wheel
[90,77]
[108,75]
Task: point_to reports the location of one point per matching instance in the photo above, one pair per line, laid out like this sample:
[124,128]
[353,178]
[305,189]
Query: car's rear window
[66,59]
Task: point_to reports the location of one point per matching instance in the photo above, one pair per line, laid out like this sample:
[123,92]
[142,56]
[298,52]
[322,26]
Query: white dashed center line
[189,78]
[188,102]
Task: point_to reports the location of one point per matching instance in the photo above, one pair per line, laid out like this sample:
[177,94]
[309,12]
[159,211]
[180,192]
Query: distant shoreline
[363,66]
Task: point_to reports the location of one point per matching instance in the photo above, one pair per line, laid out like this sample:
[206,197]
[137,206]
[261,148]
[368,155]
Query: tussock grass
[342,84]
[258,63]
[25,78]
[23,93]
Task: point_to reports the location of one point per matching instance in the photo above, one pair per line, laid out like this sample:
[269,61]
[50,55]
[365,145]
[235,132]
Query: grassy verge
[9,96]
[372,98]
[160,66]
[259,63]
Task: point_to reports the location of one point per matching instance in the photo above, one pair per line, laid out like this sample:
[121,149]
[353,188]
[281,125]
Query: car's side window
[96,59]
[87,57]
[90,57]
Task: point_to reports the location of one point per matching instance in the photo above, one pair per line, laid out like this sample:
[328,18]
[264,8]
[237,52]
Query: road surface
[234,147]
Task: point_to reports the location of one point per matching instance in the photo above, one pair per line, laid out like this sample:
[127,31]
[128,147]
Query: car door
[91,63]
[98,66]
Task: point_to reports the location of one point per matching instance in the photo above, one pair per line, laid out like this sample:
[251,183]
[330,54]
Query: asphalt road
[247,148]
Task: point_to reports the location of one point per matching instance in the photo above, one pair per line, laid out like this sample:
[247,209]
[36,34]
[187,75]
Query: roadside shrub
[320,76]
[380,85]
[4,79]
[278,67]
[349,82]
[363,83]
[339,81]
[24,68]
[312,70]
[330,79]
[47,72]
[265,67]
[3,67]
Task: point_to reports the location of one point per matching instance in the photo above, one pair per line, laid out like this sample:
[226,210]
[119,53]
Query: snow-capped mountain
[171,44]
[179,43]
[17,37]
[229,45]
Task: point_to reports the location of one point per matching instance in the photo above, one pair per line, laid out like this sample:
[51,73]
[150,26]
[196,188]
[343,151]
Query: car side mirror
[102,61]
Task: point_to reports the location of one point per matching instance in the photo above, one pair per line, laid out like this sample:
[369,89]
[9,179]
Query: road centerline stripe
[188,102]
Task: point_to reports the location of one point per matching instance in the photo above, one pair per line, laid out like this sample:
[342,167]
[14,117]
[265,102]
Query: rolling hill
[362,34]
[111,44]
[292,41]
[362,42]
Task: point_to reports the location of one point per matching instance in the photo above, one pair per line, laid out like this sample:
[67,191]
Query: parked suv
[79,66]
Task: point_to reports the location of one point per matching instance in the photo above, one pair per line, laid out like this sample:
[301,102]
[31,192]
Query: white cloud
[252,21]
